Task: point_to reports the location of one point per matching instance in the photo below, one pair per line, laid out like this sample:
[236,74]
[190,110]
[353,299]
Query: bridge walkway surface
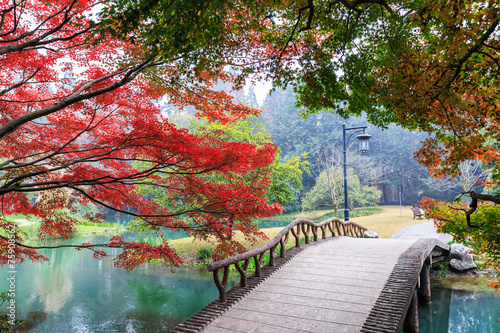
[335,284]
[329,287]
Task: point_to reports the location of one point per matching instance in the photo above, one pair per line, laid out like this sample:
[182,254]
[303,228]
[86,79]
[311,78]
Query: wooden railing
[241,261]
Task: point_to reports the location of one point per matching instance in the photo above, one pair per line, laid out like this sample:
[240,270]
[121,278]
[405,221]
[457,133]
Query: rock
[461,258]
[371,234]
[462,266]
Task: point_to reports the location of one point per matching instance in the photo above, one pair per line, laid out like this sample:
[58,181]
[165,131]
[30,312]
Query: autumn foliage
[451,219]
[78,114]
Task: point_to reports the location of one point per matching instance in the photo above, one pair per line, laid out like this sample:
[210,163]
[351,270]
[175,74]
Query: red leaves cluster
[98,254]
[10,252]
[135,254]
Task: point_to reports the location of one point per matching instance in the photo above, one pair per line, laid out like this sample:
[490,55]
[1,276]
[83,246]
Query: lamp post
[404,189]
[403,193]
[363,147]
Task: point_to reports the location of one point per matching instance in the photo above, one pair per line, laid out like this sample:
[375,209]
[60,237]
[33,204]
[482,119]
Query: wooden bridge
[343,283]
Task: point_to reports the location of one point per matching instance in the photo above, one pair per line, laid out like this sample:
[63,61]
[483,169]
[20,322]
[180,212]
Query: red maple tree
[78,115]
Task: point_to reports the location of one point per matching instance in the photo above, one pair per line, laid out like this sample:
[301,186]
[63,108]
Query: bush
[205,253]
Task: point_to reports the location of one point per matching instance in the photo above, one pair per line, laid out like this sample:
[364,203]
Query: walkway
[422,230]
[329,287]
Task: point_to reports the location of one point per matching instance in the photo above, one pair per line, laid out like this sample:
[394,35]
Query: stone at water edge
[461,258]
[371,234]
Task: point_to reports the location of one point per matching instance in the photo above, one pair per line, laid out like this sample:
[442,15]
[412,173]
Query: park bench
[416,212]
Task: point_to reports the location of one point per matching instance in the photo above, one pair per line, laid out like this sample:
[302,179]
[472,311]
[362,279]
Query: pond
[461,305]
[76,293]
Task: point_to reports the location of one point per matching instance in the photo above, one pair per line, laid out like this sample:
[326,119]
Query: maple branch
[56,50]
[468,213]
[60,246]
[39,40]
[6,11]
[489,56]
[485,197]
[470,52]
[353,4]
[17,85]
[450,121]
[76,97]
[15,185]
[473,205]
[15,23]
[491,46]
[310,7]
[57,151]
[145,216]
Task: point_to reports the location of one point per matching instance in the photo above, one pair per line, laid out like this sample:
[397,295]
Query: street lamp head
[363,142]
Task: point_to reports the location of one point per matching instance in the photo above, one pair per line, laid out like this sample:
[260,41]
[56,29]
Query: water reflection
[76,293]
[464,305]
[273,223]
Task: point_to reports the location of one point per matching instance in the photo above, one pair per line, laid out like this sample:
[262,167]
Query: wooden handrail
[295,228]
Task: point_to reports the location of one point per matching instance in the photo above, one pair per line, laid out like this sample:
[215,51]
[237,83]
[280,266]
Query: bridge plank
[268,322]
[321,290]
[318,301]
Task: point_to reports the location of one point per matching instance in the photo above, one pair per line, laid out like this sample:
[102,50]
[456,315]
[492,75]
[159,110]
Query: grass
[385,223]
[96,228]
[83,228]
[389,222]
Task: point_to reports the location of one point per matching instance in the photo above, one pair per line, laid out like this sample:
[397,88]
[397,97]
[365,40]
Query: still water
[76,293]
[462,305]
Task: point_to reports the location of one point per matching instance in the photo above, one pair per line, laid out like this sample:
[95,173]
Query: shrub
[205,253]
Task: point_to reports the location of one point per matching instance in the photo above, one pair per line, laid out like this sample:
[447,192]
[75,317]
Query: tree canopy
[426,65]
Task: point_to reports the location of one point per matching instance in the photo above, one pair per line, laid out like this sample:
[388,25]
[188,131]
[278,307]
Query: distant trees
[328,191]
[390,157]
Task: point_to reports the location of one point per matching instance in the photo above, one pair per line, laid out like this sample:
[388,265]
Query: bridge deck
[330,287]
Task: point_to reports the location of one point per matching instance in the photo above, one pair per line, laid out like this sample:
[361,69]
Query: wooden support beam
[410,324]
[424,291]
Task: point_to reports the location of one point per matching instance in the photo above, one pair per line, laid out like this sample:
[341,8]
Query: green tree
[359,195]
[286,177]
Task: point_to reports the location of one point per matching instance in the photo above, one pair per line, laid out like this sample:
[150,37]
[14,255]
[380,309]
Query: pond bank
[443,270]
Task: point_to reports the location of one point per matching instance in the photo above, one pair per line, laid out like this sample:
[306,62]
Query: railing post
[338,229]
[243,272]
[258,260]
[272,256]
[221,286]
[282,248]
[296,234]
[331,227]
[305,230]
